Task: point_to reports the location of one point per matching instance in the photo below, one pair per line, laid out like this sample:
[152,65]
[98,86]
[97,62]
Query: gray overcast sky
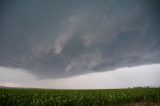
[62,39]
[146,75]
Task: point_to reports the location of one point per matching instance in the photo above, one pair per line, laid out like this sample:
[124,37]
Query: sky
[79,43]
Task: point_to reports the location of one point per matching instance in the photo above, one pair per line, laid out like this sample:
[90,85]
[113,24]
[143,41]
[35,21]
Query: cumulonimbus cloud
[81,37]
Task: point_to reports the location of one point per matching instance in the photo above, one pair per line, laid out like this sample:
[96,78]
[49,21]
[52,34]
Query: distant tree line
[145,87]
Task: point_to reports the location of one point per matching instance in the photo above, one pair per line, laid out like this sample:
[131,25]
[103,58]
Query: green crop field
[48,97]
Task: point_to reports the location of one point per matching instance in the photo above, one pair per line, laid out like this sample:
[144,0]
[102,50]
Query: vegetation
[47,97]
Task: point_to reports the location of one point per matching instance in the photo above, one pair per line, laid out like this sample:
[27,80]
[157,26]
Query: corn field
[48,97]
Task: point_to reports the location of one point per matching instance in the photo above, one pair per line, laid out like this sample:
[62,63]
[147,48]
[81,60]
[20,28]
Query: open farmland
[48,97]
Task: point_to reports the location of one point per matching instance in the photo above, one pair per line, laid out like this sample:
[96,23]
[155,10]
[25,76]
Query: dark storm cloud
[53,39]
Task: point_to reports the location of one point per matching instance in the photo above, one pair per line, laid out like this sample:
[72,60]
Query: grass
[47,97]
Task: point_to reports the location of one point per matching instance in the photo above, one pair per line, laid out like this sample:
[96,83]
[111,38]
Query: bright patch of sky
[146,75]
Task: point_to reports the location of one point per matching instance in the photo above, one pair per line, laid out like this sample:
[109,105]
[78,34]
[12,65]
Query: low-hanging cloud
[61,39]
